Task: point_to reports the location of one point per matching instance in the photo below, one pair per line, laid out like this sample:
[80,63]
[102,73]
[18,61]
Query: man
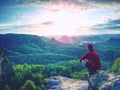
[91,60]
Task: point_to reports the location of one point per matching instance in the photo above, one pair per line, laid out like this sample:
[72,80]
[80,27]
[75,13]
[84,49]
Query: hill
[32,49]
[21,44]
[78,39]
[108,36]
[114,40]
[21,48]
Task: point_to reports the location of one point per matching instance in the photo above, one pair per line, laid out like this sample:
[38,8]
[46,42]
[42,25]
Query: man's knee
[84,62]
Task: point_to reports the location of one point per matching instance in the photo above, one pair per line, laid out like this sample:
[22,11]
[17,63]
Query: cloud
[84,4]
[113,22]
[35,15]
[47,23]
[10,27]
[110,25]
[105,1]
[24,28]
[20,26]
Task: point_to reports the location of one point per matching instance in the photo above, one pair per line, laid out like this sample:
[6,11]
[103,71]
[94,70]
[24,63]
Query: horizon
[56,36]
[60,17]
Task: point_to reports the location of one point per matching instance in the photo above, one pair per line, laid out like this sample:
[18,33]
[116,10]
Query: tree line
[35,76]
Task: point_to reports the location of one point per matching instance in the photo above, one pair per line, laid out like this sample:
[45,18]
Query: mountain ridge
[24,47]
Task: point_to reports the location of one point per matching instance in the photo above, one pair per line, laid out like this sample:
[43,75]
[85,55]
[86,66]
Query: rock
[64,83]
[105,81]
[102,80]
[113,84]
[53,83]
[6,71]
[98,79]
[116,84]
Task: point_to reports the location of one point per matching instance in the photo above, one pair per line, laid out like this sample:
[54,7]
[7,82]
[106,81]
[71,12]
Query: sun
[64,23]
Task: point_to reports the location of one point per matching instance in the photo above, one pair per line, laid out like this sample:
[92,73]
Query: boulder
[6,72]
[105,81]
[98,79]
[101,80]
[64,83]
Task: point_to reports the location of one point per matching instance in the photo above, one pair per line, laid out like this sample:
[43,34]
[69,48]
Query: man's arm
[85,56]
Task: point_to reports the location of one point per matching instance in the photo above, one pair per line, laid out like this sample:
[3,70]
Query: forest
[35,59]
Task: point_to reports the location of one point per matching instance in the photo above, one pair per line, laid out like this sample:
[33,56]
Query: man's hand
[80,60]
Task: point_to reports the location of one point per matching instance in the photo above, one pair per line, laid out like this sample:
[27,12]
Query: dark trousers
[90,69]
[91,72]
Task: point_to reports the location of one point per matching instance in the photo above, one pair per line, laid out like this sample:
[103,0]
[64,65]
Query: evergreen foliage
[29,85]
[116,66]
[35,59]
[7,87]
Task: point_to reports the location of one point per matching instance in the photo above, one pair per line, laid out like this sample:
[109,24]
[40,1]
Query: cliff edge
[102,80]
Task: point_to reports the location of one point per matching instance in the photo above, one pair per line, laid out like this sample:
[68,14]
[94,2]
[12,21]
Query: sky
[60,17]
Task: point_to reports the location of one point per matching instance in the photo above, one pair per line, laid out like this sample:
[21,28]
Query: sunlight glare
[64,22]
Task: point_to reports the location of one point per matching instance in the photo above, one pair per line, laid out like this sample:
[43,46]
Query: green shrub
[79,75]
[116,66]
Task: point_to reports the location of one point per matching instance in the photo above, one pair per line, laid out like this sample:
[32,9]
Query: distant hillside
[21,44]
[26,44]
[78,39]
[108,36]
[67,39]
[114,40]
[92,38]
[21,48]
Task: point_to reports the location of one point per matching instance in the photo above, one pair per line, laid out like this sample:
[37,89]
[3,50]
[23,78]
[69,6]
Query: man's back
[93,58]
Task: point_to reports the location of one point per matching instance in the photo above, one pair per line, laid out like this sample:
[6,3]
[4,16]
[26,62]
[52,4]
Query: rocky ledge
[102,80]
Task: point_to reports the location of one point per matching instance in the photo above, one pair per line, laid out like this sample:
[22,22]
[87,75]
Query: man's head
[90,47]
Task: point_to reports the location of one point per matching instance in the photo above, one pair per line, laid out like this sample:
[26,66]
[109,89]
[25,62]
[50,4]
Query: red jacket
[93,59]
